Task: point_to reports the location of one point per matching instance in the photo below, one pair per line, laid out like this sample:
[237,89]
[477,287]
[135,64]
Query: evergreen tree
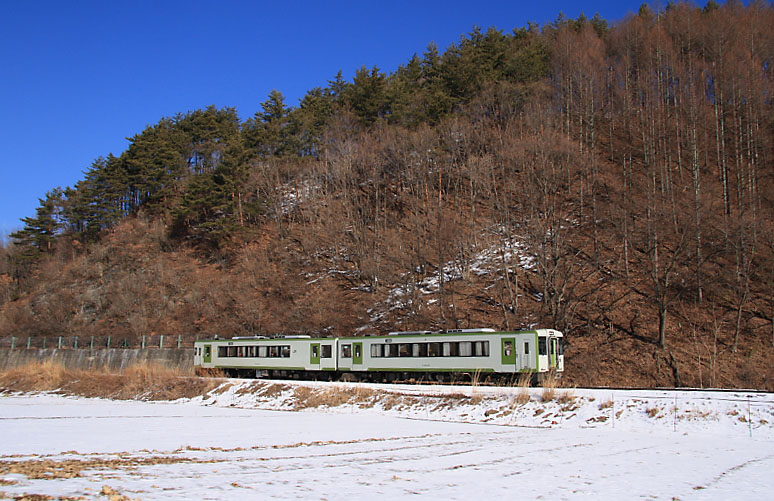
[367,95]
[205,136]
[338,87]
[271,133]
[310,119]
[155,161]
[40,232]
[405,94]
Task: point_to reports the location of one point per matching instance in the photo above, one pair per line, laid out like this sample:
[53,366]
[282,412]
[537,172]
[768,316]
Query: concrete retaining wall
[115,359]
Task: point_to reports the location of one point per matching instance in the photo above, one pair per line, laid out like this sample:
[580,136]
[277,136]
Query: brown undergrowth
[147,381]
[306,397]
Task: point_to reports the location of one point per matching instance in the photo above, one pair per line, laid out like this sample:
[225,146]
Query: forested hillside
[614,181]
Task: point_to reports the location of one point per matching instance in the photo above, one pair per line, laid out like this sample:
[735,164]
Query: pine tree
[271,133]
[367,95]
[40,232]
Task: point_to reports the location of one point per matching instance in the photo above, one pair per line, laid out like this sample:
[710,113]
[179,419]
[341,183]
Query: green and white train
[400,356]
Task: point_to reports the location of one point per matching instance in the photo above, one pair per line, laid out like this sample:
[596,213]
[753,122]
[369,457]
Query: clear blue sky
[79,77]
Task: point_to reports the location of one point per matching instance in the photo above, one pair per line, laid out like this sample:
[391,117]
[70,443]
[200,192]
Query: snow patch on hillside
[506,255]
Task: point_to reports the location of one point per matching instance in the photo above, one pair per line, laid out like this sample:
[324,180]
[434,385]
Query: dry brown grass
[549,387]
[147,381]
[332,396]
[566,397]
[524,381]
[46,376]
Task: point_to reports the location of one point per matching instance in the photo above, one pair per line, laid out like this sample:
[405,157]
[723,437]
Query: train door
[553,350]
[207,354]
[525,361]
[508,352]
[327,359]
[345,356]
[357,354]
[314,356]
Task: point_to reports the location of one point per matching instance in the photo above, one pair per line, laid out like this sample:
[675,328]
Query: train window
[415,349]
[542,346]
[405,350]
[434,349]
[285,351]
[358,350]
[391,350]
[273,351]
[482,348]
[508,348]
[466,349]
[222,351]
[526,348]
[450,349]
[377,350]
[346,351]
[315,351]
[561,346]
[326,351]
[232,351]
[421,349]
[263,351]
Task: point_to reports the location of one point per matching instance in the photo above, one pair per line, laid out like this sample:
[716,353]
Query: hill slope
[611,182]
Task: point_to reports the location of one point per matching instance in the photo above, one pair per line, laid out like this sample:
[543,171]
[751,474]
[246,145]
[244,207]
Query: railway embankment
[113,359]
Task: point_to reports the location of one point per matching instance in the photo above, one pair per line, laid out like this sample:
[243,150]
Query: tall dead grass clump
[566,397]
[550,382]
[523,383]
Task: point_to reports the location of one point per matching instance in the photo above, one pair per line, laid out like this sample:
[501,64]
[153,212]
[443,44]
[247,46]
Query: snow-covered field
[249,440]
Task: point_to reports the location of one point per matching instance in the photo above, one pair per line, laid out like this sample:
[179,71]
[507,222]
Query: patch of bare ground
[333,396]
[271,390]
[48,469]
[147,382]
[41,497]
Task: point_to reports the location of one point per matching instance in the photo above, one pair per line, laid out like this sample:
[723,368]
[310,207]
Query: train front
[551,350]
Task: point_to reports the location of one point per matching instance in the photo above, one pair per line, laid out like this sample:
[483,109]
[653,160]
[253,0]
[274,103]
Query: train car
[399,356]
[442,355]
[260,356]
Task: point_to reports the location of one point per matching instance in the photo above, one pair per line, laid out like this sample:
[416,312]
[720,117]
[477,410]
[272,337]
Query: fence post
[674,426]
[29,342]
[179,341]
[59,343]
[44,342]
[91,344]
[76,343]
[161,341]
[749,415]
[13,342]
[108,342]
[143,342]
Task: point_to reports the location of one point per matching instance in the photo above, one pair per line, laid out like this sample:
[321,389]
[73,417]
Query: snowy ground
[260,440]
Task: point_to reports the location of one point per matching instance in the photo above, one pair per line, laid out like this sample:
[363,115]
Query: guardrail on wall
[93,342]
